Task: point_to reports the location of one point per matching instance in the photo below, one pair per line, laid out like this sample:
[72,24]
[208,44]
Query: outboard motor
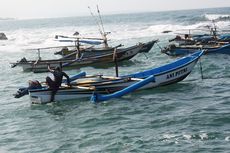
[25,91]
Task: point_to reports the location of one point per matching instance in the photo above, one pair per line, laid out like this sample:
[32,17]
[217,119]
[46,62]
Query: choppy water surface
[190,116]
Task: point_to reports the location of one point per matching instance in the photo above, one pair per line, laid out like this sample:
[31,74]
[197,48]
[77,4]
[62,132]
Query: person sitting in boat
[186,36]
[56,83]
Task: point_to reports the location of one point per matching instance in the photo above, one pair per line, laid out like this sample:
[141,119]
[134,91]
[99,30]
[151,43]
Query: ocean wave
[175,28]
[27,38]
[217,17]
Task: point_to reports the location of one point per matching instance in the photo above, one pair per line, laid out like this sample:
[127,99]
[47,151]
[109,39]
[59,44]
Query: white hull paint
[167,77]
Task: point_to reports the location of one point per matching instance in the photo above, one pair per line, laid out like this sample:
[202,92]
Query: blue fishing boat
[112,87]
[213,36]
[204,39]
[173,50]
[225,37]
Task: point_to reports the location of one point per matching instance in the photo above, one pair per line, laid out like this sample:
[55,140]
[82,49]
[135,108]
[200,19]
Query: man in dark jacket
[56,83]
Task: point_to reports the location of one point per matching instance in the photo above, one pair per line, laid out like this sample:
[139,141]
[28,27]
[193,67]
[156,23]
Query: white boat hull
[163,78]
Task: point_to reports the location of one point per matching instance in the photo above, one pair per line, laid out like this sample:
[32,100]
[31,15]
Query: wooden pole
[39,54]
[201,71]
[115,61]
[78,49]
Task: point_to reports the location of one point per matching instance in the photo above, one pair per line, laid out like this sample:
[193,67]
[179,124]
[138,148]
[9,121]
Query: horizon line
[106,14]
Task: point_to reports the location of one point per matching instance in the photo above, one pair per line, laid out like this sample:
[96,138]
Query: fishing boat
[85,85]
[203,39]
[173,50]
[96,51]
[225,37]
[97,60]
[214,35]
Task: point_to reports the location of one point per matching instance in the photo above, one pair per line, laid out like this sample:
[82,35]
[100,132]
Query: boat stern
[39,96]
[36,100]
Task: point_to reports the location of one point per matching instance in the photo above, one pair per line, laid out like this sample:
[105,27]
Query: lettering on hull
[177,73]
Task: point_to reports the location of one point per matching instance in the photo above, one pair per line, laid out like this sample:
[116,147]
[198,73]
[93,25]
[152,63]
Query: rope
[145,55]
[159,46]
[202,76]
[201,72]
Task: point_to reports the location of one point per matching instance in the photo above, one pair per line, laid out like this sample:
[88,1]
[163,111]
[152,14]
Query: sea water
[190,116]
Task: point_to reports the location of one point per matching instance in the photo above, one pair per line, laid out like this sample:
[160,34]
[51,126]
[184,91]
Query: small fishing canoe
[85,86]
[93,51]
[98,60]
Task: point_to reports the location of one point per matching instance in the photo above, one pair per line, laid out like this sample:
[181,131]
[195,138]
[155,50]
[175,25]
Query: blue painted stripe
[168,67]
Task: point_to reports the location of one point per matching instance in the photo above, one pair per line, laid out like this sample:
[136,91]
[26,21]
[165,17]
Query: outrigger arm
[99,97]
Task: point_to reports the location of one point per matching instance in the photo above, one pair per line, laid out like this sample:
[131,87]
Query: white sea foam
[187,136]
[22,39]
[216,16]
[169,136]
[227,138]
[203,136]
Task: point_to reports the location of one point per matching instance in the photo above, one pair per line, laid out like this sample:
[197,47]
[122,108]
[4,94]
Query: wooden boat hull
[164,75]
[41,66]
[147,46]
[89,52]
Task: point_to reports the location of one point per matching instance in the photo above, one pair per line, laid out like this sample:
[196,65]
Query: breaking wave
[217,17]
[127,28]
